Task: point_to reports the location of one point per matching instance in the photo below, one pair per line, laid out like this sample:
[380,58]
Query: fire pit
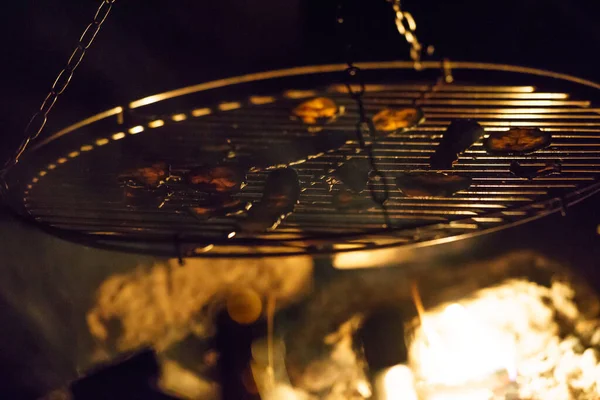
[517,327]
[339,160]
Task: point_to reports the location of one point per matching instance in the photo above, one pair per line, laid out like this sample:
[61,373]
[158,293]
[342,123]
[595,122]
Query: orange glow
[299,94]
[87,147]
[101,142]
[118,136]
[395,383]
[73,154]
[156,124]
[258,100]
[135,130]
[229,106]
[200,112]
[464,350]
[179,117]
[417,301]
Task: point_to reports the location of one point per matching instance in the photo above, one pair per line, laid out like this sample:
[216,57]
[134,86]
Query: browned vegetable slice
[153,175]
[432,184]
[354,173]
[458,137]
[391,120]
[280,196]
[217,179]
[319,110]
[517,141]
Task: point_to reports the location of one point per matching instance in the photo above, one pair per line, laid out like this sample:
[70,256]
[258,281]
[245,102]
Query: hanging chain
[38,121]
[406,25]
[364,127]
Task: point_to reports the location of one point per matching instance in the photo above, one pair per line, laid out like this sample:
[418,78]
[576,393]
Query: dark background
[149,46]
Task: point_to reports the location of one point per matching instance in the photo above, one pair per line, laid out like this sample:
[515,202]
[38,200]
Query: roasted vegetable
[458,137]
[391,120]
[354,173]
[517,141]
[280,196]
[217,179]
[432,184]
[317,111]
[151,176]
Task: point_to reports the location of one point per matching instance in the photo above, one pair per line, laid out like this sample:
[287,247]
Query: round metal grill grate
[69,183]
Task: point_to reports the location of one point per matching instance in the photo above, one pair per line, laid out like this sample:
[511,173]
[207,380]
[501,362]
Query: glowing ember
[513,328]
[512,331]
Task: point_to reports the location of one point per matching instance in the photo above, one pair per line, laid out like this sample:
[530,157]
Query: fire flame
[483,346]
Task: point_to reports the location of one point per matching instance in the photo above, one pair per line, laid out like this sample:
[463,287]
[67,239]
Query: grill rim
[95,239]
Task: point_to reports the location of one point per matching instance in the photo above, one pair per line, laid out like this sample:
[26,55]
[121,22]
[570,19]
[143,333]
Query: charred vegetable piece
[219,206]
[533,171]
[517,141]
[459,136]
[280,196]
[153,175]
[217,179]
[354,173]
[319,110]
[345,200]
[432,184]
[142,197]
[296,151]
[391,120]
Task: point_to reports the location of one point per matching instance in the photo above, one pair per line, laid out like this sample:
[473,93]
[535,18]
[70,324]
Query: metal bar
[459,102]
[422,88]
[520,110]
[517,116]
[470,95]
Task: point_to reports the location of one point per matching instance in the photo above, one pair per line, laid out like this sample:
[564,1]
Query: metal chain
[365,127]
[38,121]
[406,25]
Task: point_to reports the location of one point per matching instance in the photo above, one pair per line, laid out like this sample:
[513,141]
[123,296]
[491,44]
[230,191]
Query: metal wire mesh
[69,185]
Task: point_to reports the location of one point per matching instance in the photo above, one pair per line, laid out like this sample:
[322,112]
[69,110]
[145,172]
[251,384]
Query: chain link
[406,25]
[38,121]
[364,126]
